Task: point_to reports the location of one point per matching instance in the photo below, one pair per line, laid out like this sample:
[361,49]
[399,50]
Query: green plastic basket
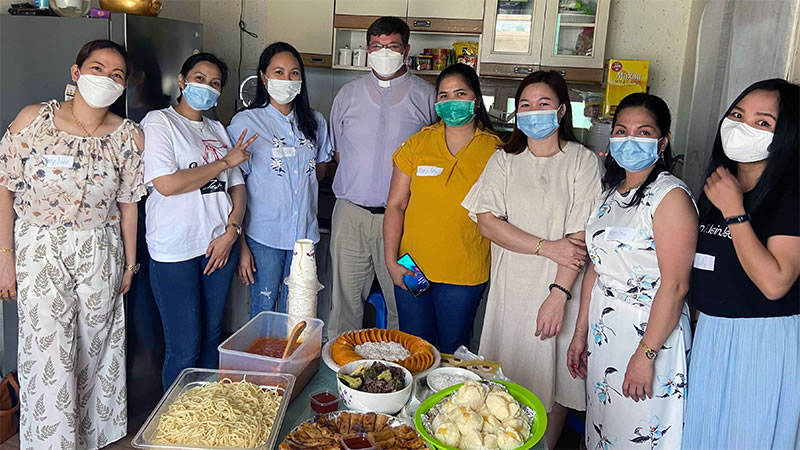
[519,393]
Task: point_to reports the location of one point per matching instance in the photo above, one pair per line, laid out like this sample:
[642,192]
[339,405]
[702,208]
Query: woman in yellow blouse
[433,171]
[73,173]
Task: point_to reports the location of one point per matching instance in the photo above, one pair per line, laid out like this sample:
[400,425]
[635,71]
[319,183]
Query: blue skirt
[744,384]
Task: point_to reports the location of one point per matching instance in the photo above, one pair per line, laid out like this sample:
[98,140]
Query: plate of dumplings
[482,415]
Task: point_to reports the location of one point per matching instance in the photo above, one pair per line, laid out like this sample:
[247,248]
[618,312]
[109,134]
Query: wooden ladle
[292,338]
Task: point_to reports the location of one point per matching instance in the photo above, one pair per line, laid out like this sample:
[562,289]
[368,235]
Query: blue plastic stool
[376,299]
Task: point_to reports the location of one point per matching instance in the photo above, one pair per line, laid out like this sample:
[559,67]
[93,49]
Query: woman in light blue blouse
[285,165]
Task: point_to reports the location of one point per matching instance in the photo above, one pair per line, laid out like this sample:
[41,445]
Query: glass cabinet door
[513,31]
[574,34]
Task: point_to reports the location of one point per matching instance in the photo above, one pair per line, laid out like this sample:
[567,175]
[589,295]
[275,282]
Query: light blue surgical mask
[634,153]
[200,97]
[538,124]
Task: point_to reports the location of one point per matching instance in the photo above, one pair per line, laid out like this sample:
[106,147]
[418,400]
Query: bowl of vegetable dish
[373,385]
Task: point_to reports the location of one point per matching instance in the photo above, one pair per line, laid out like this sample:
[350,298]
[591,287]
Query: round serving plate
[327,358]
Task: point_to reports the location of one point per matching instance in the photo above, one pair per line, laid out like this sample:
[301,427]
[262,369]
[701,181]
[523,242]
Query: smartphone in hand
[416,283]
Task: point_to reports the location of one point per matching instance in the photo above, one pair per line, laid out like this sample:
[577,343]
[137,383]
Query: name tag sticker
[58,160]
[429,171]
[621,234]
[283,152]
[704,262]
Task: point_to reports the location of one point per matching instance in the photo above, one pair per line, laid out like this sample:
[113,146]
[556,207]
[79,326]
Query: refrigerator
[35,57]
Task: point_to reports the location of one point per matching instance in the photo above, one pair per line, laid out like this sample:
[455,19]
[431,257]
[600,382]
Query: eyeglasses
[398,48]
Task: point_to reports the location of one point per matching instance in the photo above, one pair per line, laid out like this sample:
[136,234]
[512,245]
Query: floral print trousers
[71,352]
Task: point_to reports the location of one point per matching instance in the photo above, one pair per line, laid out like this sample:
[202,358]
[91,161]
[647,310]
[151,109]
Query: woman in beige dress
[532,201]
[72,173]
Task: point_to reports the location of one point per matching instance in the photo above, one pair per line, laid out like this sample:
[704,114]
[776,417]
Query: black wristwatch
[733,220]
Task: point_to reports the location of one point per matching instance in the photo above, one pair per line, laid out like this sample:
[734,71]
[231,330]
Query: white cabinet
[512,32]
[306,24]
[377,8]
[575,38]
[522,36]
[446,9]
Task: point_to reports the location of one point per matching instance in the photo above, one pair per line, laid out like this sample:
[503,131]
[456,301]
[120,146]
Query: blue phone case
[416,283]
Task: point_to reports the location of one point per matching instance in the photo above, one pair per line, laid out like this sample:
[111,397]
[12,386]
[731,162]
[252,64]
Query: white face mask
[385,62]
[99,91]
[283,91]
[743,143]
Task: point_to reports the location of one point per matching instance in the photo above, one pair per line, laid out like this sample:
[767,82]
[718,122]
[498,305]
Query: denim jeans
[442,315]
[191,306]
[272,267]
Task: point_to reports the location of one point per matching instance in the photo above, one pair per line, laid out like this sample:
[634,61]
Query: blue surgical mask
[200,97]
[538,124]
[634,153]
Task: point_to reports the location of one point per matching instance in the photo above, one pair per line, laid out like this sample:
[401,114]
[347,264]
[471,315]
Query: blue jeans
[272,267]
[191,306]
[442,315]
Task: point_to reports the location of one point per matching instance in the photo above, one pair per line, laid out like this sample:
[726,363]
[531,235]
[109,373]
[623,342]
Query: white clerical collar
[389,83]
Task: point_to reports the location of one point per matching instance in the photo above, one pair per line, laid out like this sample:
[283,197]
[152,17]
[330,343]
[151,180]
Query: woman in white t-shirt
[194,212]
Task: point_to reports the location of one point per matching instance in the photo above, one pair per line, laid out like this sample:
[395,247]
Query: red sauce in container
[271,347]
[324,402]
[357,442]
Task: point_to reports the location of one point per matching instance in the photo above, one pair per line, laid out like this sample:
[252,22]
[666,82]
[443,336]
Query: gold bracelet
[6,250]
[539,247]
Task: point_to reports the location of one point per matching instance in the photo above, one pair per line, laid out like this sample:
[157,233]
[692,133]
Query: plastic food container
[191,378]
[324,402]
[359,441]
[302,363]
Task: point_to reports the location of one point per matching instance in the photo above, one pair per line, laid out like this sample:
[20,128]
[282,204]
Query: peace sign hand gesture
[239,153]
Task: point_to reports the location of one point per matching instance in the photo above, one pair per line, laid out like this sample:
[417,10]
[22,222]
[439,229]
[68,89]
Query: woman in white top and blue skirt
[282,175]
[194,215]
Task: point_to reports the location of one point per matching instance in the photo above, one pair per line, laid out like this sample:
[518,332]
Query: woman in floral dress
[73,171]
[641,241]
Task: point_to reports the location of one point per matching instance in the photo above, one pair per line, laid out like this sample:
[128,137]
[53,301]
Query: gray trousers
[356,257]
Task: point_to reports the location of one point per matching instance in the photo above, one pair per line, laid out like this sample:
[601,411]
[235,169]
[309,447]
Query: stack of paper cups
[302,281]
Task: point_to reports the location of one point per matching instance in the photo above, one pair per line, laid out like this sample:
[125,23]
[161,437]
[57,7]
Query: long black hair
[783,164]
[659,110]
[519,141]
[468,75]
[306,121]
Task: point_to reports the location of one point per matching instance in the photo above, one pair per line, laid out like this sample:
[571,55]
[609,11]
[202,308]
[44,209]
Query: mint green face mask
[456,113]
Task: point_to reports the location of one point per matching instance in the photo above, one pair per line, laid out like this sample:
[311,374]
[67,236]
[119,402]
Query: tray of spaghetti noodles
[219,409]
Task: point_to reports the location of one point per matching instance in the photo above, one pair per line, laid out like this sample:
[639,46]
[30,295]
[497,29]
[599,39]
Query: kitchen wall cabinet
[446,9]
[311,32]
[375,8]
[574,38]
[520,37]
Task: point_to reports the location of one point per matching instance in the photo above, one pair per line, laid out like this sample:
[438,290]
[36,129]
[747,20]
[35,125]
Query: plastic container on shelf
[302,363]
[190,378]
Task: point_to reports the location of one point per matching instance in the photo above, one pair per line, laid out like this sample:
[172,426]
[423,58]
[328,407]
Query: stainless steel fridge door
[35,56]
[156,50]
